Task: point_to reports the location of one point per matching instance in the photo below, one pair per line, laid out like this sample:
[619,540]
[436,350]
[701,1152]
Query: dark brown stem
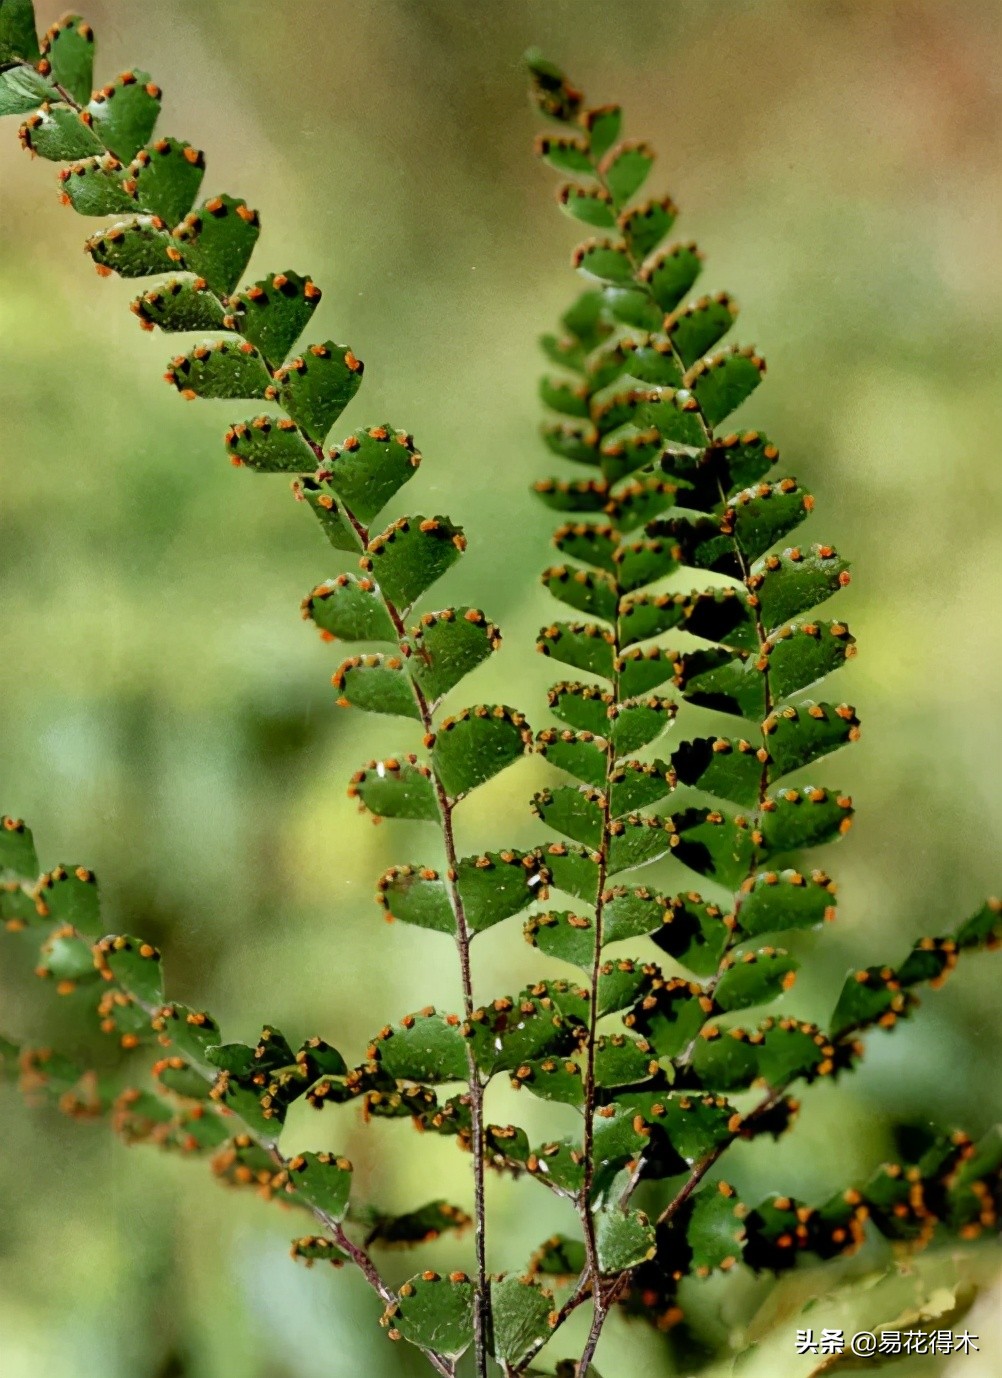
[464,935]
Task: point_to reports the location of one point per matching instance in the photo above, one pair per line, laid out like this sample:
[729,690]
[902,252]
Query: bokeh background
[167,717]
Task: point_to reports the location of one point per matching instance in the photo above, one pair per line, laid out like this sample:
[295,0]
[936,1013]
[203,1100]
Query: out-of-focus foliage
[163,725]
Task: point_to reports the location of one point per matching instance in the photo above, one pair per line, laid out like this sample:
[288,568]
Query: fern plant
[652,1061]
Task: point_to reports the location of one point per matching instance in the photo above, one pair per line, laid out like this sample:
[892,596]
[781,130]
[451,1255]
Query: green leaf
[754,978]
[722,680]
[638,785]
[774,901]
[646,358]
[644,562]
[805,817]
[796,736]
[426,1047]
[18,40]
[624,1239]
[726,767]
[190,1032]
[584,706]
[623,982]
[447,646]
[760,516]
[646,225]
[670,1014]
[573,441]
[323,1181]
[315,387]
[604,260]
[671,274]
[508,1032]
[564,395]
[795,581]
[590,591]
[723,381]
[492,887]
[410,555]
[585,320]
[592,205]
[134,965]
[94,187]
[434,1312]
[551,91]
[496,885]
[349,609]
[576,812]
[123,113]
[723,615]
[724,1060]
[632,913]
[59,134]
[566,936]
[580,754]
[983,927]
[221,368]
[602,125]
[472,747]
[69,47]
[551,1079]
[274,312]
[693,1125]
[700,542]
[573,870]
[416,895]
[377,683]
[799,654]
[586,647]
[694,931]
[623,1061]
[589,542]
[699,325]
[17,907]
[217,240]
[646,615]
[177,305]
[418,1227]
[631,448]
[520,1311]
[625,169]
[17,849]
[399,787]
[67,960]
[23,90]
[370,467]
[786,1052]
[714,844]
[272,445]
[638,722]
[640,670]
[558,1257]
[165,177]
[632,306]
[642,500]
[564,153]
[68,895]
[581,495]
[317,495]
[312,1247]
[715,1230]
[133,249]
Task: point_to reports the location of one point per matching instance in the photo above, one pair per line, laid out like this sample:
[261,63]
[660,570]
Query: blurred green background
[167,717]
